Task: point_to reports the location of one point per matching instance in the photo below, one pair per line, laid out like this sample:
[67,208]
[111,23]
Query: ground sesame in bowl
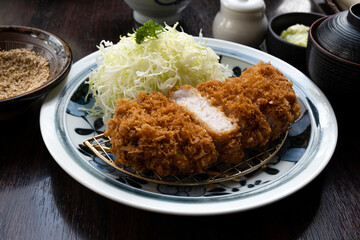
[32,63]
[21,71]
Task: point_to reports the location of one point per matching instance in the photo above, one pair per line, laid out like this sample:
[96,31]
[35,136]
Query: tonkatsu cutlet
[195,127]
[222,129]
[254,128]
[154,133]
[272,92]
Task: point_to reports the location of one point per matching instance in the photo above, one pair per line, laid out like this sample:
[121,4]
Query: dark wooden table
[38,200]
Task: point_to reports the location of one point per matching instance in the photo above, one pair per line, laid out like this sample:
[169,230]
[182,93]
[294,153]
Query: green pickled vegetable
[296,34]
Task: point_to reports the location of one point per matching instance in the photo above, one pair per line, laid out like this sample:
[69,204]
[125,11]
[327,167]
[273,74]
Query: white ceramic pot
[241,21]
[160,11]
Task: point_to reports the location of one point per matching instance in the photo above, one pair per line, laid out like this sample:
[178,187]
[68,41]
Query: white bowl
[160,11]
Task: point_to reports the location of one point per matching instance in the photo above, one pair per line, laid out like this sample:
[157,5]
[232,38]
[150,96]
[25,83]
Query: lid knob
[354,15]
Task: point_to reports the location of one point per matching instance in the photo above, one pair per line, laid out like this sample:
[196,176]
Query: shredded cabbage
[174,58]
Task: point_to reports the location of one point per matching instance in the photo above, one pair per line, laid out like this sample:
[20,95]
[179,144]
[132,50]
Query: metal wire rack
[218,172]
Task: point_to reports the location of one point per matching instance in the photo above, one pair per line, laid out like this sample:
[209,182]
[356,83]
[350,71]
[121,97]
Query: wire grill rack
[218,172]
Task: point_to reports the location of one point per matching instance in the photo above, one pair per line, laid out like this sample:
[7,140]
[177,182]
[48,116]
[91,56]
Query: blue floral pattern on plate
[313,137]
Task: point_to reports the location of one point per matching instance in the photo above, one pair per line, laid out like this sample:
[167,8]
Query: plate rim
[124,196]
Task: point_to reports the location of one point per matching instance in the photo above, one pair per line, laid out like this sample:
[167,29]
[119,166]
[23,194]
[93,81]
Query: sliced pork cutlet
[272,92]
[230,96]
[221,128]
[154,133]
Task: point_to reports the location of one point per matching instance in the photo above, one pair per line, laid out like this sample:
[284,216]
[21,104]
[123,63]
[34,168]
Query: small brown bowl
[48,45]
[337,76]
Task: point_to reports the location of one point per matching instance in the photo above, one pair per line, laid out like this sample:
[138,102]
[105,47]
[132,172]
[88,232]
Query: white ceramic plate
[308,149]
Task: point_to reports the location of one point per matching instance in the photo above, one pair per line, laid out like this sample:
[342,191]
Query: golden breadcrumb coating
[272,92]
[153,132]
[254,128]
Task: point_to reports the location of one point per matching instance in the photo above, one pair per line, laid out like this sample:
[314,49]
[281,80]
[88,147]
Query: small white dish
[160,11]
[64,127]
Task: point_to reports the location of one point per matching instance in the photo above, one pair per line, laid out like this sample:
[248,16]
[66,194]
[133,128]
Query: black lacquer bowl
[50,46]
[333,53]
[289,52]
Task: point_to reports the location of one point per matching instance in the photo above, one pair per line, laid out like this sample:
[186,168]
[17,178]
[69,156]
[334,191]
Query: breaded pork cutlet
[153,132]
[254,128]
[222,129]
[272,92]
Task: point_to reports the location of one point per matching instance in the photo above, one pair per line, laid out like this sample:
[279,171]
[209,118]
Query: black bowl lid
[340,34]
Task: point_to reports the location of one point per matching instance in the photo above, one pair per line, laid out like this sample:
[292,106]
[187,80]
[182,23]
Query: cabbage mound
[171,59]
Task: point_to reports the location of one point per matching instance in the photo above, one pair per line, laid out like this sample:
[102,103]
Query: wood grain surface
[38,200]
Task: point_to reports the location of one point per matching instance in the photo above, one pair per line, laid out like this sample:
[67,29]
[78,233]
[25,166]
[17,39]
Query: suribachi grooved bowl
[48,45]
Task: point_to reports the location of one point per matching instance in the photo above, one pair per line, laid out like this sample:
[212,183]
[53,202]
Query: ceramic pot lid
[244,5]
